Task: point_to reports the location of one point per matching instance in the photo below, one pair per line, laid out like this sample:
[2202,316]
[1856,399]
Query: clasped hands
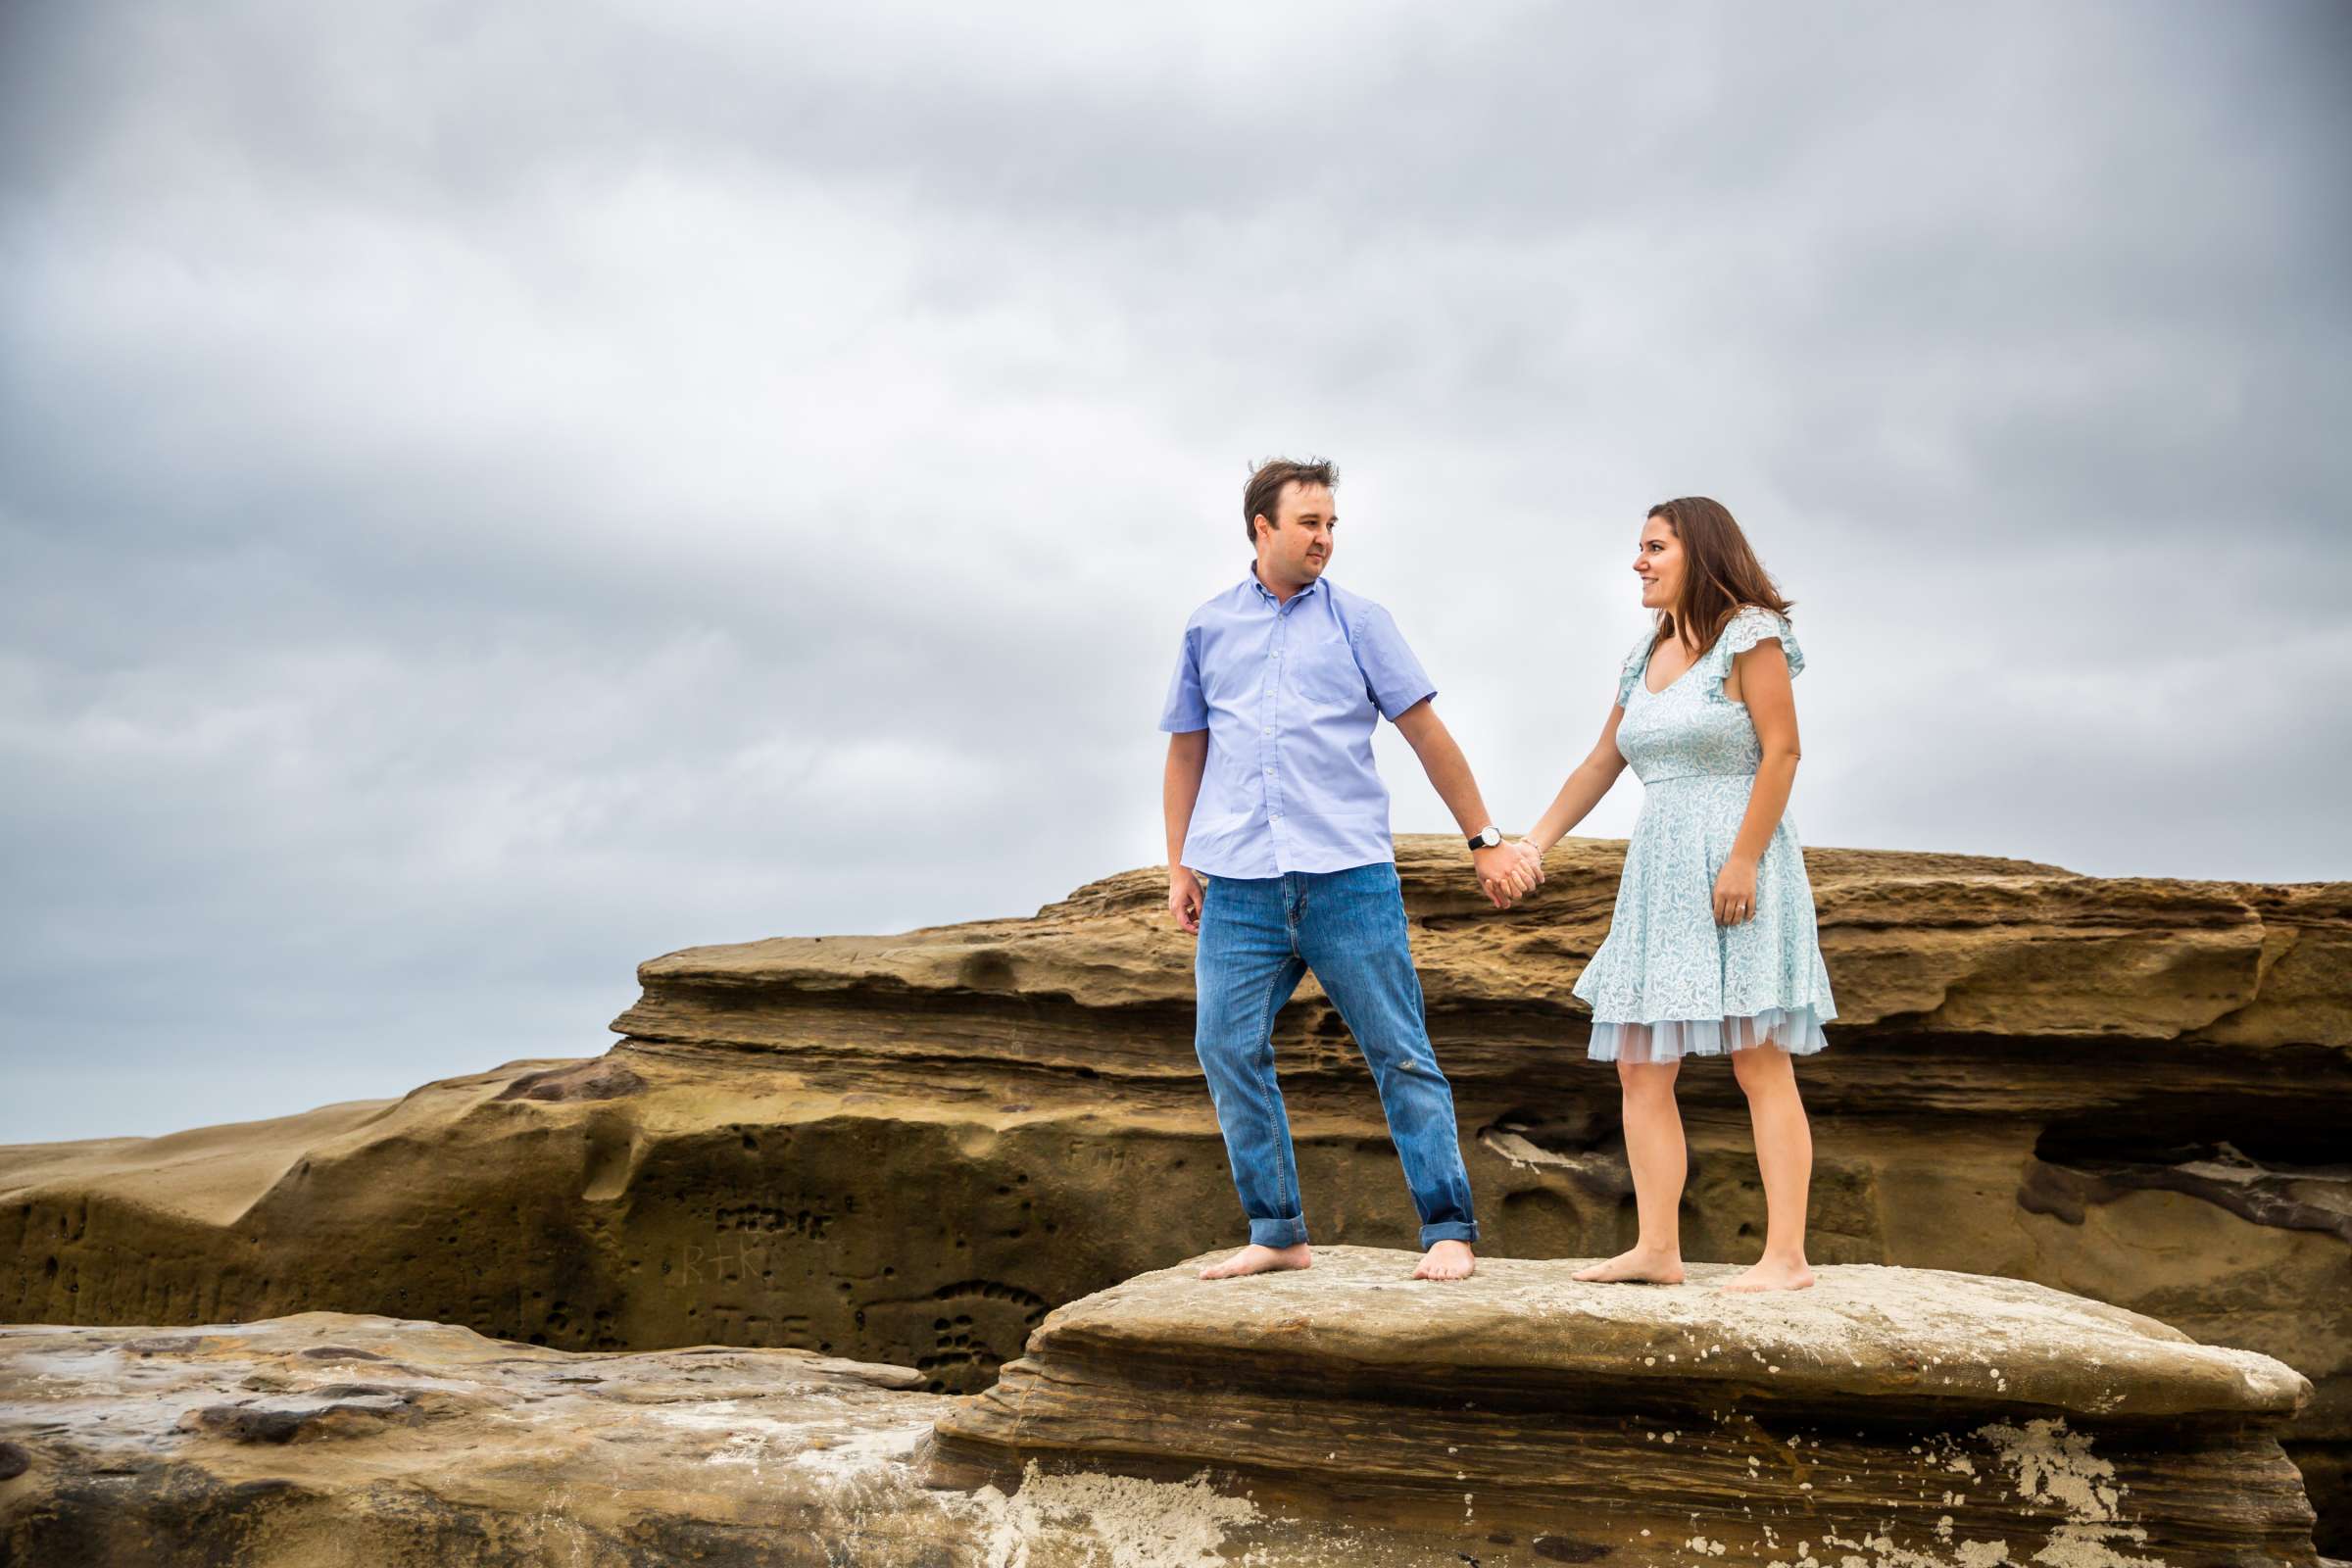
[1508,872]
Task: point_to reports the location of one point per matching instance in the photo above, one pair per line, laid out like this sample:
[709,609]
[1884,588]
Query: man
[1271,793]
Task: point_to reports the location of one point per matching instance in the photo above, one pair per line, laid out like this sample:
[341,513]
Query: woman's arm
[1587,784]
[1762,676]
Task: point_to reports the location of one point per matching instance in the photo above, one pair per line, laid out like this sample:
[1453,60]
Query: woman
[1711,949]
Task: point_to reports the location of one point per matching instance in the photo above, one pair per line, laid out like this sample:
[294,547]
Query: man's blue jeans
[1258,935]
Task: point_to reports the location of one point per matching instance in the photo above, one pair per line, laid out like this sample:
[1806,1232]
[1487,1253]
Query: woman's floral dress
[1669,982]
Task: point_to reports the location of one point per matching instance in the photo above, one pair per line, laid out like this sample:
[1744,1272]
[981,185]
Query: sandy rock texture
[328,1440]
[909,1149]
[1887,1416]
[1343,1418]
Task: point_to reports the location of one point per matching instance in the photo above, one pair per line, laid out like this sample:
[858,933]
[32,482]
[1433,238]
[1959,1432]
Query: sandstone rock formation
[909,1149]
[1887,1416]
[327,1441]
[1349,1417]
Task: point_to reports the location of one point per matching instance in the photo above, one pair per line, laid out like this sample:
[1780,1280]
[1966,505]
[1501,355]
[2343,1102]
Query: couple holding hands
[1281,861]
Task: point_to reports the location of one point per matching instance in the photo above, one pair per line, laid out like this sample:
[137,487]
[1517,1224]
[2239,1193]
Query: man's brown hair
[1262,495]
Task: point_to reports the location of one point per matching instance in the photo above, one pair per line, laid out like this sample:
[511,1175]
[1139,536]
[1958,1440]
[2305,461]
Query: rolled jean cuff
[1278,1233]
[1452,1230]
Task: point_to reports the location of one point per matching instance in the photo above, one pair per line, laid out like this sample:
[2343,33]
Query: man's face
[1299,548]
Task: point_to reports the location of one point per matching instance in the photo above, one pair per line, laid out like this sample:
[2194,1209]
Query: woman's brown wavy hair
[1720,573]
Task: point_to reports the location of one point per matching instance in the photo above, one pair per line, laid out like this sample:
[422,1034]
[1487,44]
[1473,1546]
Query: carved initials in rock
[728,1262]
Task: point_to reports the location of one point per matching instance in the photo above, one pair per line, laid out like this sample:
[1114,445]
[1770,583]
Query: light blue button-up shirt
[1290,694]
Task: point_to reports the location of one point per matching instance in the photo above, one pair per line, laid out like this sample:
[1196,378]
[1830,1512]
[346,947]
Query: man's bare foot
[1772,1274]
[1448,1260]
[1648,1267]
[1257,1260]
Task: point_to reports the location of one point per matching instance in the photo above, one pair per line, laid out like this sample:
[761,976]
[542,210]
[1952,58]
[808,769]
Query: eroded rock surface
[323,1438]
[909,1149]
[327,1441]
[1343,1418]
[1886,1417]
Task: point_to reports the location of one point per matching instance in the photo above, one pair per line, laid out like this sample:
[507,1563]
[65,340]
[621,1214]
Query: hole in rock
[2284,1175]
[2159,1137]
[1576,1128]
[988,970]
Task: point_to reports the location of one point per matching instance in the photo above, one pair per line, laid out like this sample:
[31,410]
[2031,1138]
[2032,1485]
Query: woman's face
[1658,562]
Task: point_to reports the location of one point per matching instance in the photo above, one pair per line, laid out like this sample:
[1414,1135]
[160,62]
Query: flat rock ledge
[1347,1417]
[327,1439]
[1887,1418]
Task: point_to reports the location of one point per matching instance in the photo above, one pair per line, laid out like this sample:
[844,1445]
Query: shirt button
[1269,729]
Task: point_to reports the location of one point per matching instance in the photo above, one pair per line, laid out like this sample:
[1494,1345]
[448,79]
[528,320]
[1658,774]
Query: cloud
[492,496]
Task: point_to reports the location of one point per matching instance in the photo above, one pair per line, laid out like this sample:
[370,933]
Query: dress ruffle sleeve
[1750,626]
[1636,663]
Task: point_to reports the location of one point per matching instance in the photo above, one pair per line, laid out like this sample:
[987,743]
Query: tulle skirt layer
[1795,1030]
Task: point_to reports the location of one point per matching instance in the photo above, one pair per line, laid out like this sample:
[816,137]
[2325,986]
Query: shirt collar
[1268,594]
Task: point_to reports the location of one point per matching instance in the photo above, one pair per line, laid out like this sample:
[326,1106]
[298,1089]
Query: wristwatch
[1486,838]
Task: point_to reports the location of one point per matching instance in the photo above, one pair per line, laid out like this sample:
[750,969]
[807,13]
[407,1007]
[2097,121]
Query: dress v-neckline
[1672,684]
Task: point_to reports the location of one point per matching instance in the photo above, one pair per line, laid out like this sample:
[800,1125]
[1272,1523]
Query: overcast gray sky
[491,494]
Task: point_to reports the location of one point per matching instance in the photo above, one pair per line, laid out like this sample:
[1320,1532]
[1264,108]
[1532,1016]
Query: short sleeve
[1185,709]
[1636,661]
[1750,626]
[1392,673]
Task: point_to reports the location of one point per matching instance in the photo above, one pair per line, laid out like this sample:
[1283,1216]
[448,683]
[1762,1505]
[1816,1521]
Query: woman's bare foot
[1448,1260]
[1649,1266]
[1772,1274]
[1257,1260]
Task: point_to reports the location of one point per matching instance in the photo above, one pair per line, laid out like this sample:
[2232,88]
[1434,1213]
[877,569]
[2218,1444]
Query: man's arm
[1185,717]
[1179,791]
[1502,872]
